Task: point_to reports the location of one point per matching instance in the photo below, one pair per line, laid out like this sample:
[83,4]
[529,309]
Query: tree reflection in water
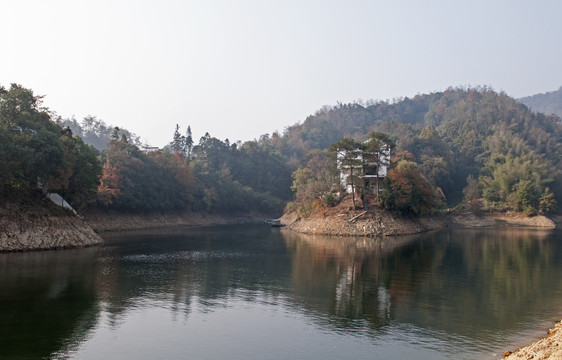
[481,287]
[472,283]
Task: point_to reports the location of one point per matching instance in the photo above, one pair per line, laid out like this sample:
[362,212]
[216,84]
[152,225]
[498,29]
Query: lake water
[255,292]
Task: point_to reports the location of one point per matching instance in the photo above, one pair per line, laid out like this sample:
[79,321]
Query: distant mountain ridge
[547,103]
[96,132]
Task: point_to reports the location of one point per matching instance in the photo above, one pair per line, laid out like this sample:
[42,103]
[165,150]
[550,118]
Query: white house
[368,166]
[148,149]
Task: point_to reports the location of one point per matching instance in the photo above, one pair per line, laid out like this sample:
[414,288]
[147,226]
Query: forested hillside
[470,145]
[547,103]
[509,155]
[38,154]
[216,177]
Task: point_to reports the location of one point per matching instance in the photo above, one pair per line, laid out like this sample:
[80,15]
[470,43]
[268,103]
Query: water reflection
[481,287]
[48,301]
[340,276]
[465,289]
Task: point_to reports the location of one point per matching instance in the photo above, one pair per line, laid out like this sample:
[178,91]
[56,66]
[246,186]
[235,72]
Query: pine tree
[177,141]
[188,142]
[380,145]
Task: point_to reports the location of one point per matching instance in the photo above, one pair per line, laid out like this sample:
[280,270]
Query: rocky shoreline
[377,222]
[547,348]
[39,225]
[361,223]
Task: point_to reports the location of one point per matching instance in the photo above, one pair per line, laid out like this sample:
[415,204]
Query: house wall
[345,170]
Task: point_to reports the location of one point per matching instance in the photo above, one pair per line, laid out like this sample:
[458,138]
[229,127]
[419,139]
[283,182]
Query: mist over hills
[547,103]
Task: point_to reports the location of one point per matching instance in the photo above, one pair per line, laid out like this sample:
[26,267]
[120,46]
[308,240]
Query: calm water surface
[253,292]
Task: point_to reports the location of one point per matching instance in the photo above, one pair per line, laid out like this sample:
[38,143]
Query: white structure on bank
[368,166]
[58,200]
[148,149]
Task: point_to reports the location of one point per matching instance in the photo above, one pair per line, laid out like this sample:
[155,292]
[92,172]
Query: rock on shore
[41,229]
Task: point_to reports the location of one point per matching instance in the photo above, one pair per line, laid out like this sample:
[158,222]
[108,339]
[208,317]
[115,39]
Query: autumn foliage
[406,191]
[110,184]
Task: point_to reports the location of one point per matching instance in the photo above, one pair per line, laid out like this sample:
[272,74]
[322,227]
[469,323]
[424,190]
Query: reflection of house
[366,165]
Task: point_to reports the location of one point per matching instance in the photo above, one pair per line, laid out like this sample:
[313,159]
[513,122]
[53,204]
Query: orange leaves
[409,192]
[110,184]
[401,187]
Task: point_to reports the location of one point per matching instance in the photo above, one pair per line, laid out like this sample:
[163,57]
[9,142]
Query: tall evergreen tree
[177,141]
[349,155]
[188,142]
[379,145]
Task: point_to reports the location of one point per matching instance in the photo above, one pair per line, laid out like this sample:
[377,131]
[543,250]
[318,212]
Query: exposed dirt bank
[549,347]
[372,223]
[342,221]
[115,221]
[42,228]
[469,219]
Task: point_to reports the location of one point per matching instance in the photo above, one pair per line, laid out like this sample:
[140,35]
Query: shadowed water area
[253,292]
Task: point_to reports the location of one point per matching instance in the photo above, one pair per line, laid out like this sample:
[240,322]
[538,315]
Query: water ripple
[181,256]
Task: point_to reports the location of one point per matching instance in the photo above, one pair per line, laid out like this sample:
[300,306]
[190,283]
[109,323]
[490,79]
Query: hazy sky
[239,69]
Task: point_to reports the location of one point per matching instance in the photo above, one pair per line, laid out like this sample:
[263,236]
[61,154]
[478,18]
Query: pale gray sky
[239,69]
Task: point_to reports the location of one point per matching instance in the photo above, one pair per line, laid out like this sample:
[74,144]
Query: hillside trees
[405,189]
[79,181]
[510,157]
[315,183]
[138,182]
[502,142]
[453,134]
[219,177]
[245,176]
[34,151]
